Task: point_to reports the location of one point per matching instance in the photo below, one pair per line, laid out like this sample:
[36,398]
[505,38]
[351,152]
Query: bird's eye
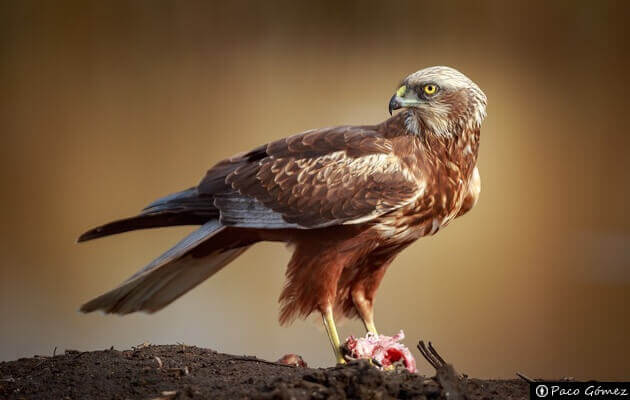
[430,89]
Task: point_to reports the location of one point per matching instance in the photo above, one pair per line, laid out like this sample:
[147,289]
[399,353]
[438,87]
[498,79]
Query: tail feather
[185,201]
[168,277]
[142,222]
[187,207]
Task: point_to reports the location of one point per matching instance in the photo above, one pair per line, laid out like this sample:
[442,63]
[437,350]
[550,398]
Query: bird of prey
[348,199]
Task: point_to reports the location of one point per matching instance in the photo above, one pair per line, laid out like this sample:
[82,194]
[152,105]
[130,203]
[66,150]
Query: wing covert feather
[319,178]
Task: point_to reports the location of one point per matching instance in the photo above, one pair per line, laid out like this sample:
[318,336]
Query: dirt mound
[181,372]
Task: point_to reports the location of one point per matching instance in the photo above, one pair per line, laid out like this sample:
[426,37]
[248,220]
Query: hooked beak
[402,98]
[394,104]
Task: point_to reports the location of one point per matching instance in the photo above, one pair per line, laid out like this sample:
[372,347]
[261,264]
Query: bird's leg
[369,326]
[365,308]
[331,330]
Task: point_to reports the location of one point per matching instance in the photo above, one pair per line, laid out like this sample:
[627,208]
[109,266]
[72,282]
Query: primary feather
[167,277]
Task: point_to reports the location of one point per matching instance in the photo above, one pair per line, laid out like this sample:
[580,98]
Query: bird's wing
[170,275]
[320,178]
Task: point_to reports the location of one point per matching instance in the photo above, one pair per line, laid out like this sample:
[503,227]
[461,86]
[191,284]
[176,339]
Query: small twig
[436,354]
[377,363]
[435,359]
[54,351]
[431,355]
[80,354]
[159,361]
[525,378]
[261,361]
[183,350]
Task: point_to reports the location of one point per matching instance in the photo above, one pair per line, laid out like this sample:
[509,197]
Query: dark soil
[182,372]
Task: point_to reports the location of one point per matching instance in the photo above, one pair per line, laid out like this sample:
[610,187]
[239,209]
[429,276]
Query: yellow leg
[331,330]
[369,326]
[365,309]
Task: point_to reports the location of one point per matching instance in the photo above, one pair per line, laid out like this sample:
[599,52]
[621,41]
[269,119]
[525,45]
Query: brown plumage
[348,198]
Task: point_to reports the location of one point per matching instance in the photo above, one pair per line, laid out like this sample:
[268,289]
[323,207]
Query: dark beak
[394,104]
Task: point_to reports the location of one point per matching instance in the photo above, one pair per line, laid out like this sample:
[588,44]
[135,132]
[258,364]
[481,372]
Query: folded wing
[343,175]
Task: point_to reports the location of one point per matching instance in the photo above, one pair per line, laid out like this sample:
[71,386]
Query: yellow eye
[430,89]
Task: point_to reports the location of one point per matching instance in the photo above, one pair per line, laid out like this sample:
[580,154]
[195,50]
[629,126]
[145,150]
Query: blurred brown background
[106,106]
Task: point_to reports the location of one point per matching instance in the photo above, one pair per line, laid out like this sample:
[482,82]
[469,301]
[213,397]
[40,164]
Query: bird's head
[442,100]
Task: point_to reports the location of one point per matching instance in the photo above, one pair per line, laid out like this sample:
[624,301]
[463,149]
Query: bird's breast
[422,218]
[447,180]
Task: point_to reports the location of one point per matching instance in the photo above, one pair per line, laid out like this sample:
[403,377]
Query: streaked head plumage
[445,100]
